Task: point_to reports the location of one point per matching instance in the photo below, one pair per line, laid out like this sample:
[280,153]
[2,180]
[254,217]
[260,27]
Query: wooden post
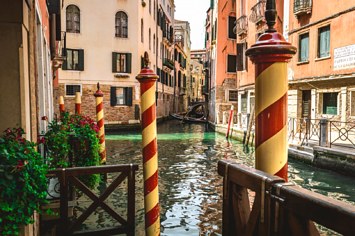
[147,79]
[230,121]
[77,103]
[270,55]
[61,105]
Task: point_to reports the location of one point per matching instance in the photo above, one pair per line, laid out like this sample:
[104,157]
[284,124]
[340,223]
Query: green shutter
[113,97]
[128,62]
[114,62]
[129,96]
[81,59]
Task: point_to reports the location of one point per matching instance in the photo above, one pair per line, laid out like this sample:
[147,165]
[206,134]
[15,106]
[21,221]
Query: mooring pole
[99,97]
[147,79]
[61,105]
[270,55]
[230,121]
[77,103]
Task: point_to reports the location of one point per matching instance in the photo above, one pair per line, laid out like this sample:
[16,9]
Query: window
[303,45]
[121,96]
[231,24]
[121,62]
[154,10]
[121,25]
[323,41]
[74,59]
[233,95]
[142,31]
[244,102]
[71,89]
[232,63]
[330,103]
[73,19]
[242,60]
[352,103]
[150,6]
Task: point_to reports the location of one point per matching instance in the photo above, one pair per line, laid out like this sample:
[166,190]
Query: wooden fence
[69,179]
[256,203]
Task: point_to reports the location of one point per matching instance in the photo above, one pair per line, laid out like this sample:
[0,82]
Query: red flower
[41,140]
[44,118]
[20,165]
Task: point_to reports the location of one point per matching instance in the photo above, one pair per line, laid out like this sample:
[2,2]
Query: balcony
[168,63]
[242,25]
[301,7]
[60,51]
[179,39]
[258,12]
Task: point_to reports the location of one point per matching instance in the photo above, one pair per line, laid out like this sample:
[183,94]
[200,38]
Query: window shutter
[113,97]
[232,64]
[64,65]
[128,62]
[239,56]
[81,59]
[129,96]
[114,62]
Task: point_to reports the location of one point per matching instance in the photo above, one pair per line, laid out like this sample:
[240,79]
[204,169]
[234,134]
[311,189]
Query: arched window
[121,25]
[150,39]
[73,19]
[142,31]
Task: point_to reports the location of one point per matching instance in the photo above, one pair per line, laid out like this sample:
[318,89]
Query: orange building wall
[341,34]
[225,46]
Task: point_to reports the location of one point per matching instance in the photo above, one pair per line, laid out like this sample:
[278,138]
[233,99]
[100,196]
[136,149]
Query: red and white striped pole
[230,121]
[147,79]
[61,105]
[99,97]
[77,103]
[270,54]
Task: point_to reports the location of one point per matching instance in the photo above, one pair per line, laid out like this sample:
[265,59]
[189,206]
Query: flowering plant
[23,182]
[73,141]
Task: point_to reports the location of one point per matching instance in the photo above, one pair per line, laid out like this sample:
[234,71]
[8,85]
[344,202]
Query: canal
[190,188]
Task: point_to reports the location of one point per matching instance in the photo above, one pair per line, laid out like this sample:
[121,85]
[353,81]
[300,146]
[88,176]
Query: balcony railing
[257,12]
[242,25]
[302,7]
[179,39]
[168,63]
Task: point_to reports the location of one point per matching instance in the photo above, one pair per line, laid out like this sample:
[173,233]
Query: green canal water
[190,188]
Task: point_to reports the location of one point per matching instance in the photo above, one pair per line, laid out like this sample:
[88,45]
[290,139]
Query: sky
[193,11]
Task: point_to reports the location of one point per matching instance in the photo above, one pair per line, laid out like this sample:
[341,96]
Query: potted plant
[23,182]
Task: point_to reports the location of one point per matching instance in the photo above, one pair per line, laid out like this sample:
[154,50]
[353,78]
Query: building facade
[26,69]
[221,57]
[109,49]
[321,74]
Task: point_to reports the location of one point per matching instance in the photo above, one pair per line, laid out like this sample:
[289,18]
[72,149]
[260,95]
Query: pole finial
[270,15]
[98,85]
[146,59]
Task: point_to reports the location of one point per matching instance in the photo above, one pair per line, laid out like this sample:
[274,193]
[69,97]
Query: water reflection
[190,188]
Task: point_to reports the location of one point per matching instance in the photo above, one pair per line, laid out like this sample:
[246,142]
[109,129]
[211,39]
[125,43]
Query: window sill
[322,58]
[124,38]
[121,75]
[302,62]
[72,70]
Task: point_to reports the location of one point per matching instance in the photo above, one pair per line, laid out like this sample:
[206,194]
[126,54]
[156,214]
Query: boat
[195,114]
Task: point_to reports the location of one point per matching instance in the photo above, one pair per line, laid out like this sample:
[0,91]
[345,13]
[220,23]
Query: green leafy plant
[23,182]
[73,141]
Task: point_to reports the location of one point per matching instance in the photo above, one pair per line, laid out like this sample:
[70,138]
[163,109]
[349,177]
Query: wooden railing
[69,180]
[256,203]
